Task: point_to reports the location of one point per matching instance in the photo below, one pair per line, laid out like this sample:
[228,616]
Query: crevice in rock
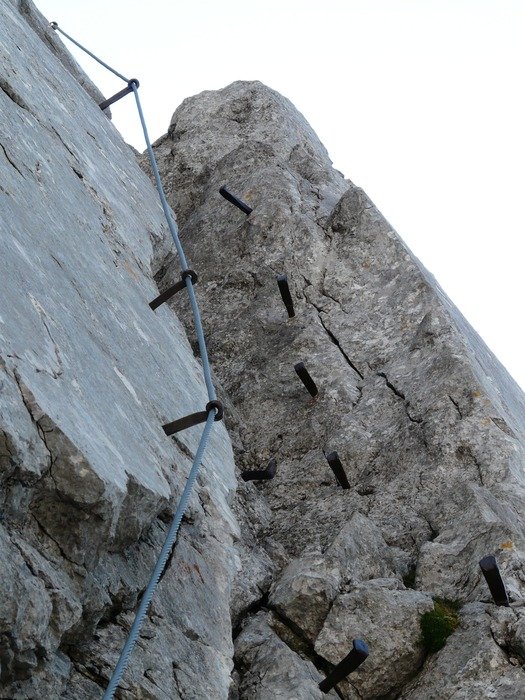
[333,339]
[393,388]
[503,426]
[433,532]
[92,674]
[6,444]
[57,262]
[50,537]
[456,405]
[503,648]
[329,296]
[203,503]
[29,564]
[336,342]
[409,578]
[13,95]
[40,431]
[111,614]
[182,447]
[53,373]
[464,452]
[149,676]
[11,161]
[57,373]
[296,640]
[64,144]
[409,679]
[325,293]
[401,396]
[174,669]
[250,610]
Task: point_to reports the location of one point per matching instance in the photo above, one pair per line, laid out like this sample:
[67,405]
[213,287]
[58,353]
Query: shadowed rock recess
[270,580]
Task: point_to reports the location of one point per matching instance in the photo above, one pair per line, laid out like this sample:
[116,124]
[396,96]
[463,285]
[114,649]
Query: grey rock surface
[270,669]
[471,665]
[271,581]
[428,425]
[49,37]
[88,374]
[305,591]
[388,617]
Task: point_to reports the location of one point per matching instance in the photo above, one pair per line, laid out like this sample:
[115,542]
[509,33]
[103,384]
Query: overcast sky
[420,102]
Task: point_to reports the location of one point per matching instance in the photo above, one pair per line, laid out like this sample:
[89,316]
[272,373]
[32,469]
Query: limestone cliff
[427,423]
[88,374]
[270,581]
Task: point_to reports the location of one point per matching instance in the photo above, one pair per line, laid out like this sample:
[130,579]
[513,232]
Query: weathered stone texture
[88,374]
[270,669]
[271,581]
[40,26]
[427,423]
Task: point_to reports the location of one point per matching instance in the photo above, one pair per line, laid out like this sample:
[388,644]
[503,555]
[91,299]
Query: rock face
[88,374]
[428,425]
[270,581]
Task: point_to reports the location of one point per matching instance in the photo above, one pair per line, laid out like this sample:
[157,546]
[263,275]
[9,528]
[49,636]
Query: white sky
[420,102]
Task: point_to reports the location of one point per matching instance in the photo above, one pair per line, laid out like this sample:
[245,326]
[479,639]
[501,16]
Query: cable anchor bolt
[338,469]
[349,664]
[235,201]
[489,568]
[306,379]
[119,95]
[282,281]
[179,286]
[260,474]
[194,418]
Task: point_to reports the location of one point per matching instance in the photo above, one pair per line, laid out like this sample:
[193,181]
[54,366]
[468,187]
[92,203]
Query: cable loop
[217,405]
[189,273]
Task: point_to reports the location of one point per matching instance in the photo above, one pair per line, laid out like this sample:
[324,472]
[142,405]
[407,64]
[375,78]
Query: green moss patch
[438,624]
